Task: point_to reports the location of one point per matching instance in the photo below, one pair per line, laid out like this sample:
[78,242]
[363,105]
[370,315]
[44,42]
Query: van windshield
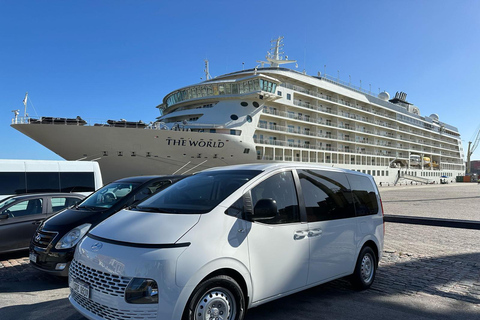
[199,193]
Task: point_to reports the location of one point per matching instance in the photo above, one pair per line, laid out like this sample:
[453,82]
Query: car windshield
[199,193]
[6,202]
[107,196]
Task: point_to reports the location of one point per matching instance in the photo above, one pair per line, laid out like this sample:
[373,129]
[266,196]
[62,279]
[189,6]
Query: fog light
[60,266]
[141,291]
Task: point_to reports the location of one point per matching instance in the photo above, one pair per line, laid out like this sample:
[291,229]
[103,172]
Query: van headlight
[73,236]
[141,291]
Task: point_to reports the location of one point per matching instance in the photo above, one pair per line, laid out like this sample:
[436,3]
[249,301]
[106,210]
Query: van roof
[280,165]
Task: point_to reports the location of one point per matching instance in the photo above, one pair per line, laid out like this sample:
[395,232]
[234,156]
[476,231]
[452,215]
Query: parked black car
[20,216]
[53,246]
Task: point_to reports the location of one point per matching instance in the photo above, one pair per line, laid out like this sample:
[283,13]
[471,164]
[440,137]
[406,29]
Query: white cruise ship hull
[123,152]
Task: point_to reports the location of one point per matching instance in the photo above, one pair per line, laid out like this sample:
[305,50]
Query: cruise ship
[268,113]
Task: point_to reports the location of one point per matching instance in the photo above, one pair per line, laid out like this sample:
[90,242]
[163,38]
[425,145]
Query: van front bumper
[105,270]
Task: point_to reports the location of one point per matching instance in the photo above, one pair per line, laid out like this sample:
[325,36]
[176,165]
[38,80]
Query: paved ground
[426,272]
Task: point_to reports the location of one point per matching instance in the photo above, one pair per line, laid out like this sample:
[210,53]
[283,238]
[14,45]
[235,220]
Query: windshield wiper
[155,209]
[87,208]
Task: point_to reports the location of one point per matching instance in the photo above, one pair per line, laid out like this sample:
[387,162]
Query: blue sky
[117,59]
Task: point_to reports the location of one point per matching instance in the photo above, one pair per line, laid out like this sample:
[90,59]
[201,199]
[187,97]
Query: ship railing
[341,101]
[290,144]
[307,118]
[295,130]
[49,120]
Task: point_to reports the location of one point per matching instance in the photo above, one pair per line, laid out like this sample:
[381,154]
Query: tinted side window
[280,188]
[326,194]
[77,181]
[60,203]
[12,182]
[24,208]
[364,195]
[43,182]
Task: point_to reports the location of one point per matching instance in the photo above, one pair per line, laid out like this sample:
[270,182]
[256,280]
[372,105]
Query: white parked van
[43,176]
[228,239]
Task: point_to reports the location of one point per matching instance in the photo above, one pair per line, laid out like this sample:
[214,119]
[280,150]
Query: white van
[228,239]
[41,176]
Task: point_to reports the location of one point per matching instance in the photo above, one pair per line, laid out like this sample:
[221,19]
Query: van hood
[137,227]
[68,219]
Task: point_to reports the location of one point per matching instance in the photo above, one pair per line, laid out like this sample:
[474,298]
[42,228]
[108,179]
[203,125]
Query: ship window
[213,130]
[249,119]
[279,93]
[255,104]
[244,104]
[234,117]
[247,150]
[289,96]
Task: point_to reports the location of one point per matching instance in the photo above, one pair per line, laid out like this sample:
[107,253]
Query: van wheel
[219,298]
[364,274]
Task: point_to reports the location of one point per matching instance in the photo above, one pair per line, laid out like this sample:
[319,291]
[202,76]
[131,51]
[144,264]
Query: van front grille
[103,282]
[43,238]
[110,313]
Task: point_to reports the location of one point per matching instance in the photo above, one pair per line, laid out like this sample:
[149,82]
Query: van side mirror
[265,209]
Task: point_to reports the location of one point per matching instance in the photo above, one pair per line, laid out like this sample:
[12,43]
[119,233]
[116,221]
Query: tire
[365,269]
[217,298]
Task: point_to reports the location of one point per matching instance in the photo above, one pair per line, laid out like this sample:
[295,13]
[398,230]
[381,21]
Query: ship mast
[275,55]
[207,71]
[25,104]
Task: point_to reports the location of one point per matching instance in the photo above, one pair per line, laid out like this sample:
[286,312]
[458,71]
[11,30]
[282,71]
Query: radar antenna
[275,56]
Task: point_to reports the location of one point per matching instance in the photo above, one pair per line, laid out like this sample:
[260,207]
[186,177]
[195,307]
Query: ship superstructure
[265,114]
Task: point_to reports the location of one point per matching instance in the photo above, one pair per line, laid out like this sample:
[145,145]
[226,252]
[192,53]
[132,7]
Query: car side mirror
[265,209]
[3,216]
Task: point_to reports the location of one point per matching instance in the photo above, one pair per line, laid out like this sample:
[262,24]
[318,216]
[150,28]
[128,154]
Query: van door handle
[299,235]
[314,233]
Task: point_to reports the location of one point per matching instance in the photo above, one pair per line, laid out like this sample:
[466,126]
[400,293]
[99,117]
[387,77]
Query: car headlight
[141,291]
[73,236]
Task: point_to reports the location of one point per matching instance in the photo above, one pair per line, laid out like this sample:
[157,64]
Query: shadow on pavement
[14,255]
[419,288]
[425,288]
[51,310]
[25,278]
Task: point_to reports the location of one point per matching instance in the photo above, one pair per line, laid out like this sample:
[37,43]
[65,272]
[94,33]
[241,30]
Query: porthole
[249,119]
[255,104]
[234,117]
[244,104]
